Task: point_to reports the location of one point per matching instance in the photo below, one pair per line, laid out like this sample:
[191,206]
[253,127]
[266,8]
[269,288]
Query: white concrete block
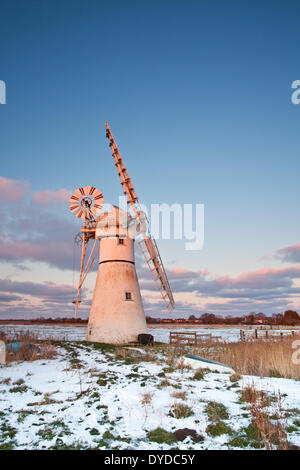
[2,353]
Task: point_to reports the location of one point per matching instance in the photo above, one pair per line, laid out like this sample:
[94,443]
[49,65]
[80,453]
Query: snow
[161,334]
[77,333]
[78,410]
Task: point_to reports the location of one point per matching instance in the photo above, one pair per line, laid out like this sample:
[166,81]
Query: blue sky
[198,97]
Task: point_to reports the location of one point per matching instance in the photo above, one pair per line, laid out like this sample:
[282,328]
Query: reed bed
[264,358]
[31,347]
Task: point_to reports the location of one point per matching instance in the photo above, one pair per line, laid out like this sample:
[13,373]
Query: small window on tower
[128,296]
[121,241]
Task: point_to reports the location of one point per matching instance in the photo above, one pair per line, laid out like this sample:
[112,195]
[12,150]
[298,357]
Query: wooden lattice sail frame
[147,244]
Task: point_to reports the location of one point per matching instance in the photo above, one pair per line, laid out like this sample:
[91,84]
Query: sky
[198,97]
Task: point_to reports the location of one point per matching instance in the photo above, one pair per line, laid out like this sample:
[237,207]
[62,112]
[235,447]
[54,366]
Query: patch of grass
[180,410]
[250,395]
[61,425]
[8,445]
[297,423]
[238,442]
[180,394]
[22,414]
[19,382]
[76,363]
[103,380]
[164,383]
[291,429]
[294,412]
[103,347]
[94,432]
[219,428]
[18,389]
[169,370]
[251,433]
[199,374]
[108,435]
[274,373]
[100,407]
[95,395]
[123,439]
[216,411]
[133,376]
[235,378]
[5,381]
[60,445]
[52,429]
[46,401]
[146,399]
[47,433]
[161,436]
[7,431]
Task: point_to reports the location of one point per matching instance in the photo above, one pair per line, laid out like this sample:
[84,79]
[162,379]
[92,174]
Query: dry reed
[273,434]
[30,349]
[264,358]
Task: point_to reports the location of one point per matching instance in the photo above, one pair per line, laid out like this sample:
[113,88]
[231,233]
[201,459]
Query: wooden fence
[265,334]
[191,338]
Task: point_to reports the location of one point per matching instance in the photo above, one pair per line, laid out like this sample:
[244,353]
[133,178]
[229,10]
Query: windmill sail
[148,245]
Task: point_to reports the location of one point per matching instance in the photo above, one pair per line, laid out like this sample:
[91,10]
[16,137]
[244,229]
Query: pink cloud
[51,197]
[12,190]
[290,253]
[26,299]
[263,276]
[181,273]
[57,254]
[46,291]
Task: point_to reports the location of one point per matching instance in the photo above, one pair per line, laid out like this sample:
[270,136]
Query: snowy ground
[90,398]
[77,333]
[161,334]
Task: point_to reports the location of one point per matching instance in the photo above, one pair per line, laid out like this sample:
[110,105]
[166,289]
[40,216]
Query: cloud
[268,289]
[289,254]
[55,254]
[12,190]
[5,298]
[26,299]
[38,233]
[51,197]
[47,291]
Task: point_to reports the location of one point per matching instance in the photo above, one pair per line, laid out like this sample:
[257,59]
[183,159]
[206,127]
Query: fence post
[255,333]
[2,353]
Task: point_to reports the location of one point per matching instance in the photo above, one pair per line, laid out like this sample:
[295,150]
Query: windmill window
[128,296]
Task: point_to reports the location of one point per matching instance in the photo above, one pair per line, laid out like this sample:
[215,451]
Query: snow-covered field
[161,334]
[92,398]
[77,333]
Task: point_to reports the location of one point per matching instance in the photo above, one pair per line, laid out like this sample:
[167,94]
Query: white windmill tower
[117,313]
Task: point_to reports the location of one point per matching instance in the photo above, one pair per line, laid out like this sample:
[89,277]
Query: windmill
[117,314]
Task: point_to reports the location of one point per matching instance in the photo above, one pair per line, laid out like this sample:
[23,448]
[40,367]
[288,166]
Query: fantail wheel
[86,202]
